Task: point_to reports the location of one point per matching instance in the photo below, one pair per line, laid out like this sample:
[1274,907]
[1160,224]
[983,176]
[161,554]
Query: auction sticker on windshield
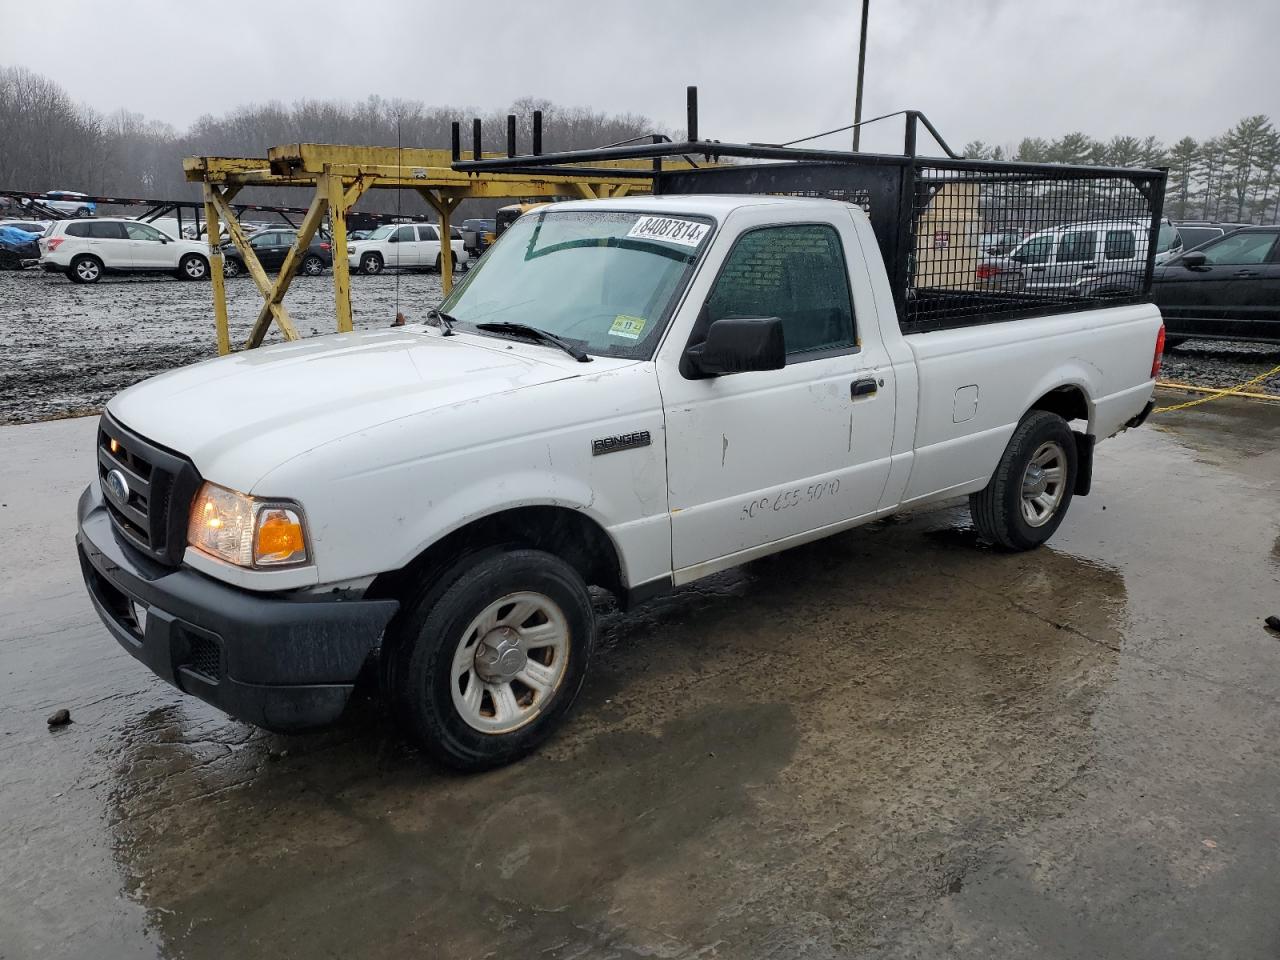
[687,233]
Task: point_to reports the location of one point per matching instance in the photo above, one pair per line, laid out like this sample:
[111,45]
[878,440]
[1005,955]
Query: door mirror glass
[740,345]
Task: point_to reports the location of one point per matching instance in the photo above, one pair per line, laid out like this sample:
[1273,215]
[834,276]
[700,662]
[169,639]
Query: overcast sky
[995,70]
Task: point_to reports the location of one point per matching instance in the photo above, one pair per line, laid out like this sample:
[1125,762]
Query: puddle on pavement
[797,754]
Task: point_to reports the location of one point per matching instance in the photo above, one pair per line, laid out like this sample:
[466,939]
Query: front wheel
[486,662]
[1032,485]
[231,267]
[371,263]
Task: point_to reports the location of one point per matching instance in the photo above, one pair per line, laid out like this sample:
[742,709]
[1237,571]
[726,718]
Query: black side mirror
[393,239]
[1194,260]
[740,345]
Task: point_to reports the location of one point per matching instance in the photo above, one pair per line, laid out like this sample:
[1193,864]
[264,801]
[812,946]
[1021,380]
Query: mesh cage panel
[988,244]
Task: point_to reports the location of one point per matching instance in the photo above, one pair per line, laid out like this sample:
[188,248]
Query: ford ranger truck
[628,393]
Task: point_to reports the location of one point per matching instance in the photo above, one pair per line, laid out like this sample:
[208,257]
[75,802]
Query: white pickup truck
[628,393]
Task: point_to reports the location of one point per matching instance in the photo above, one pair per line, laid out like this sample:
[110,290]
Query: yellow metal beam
[214,234]
[338,207]
[250,258]
[444,207]
[293,259]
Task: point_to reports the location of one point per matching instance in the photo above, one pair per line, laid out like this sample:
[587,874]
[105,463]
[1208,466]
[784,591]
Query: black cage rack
[964,241]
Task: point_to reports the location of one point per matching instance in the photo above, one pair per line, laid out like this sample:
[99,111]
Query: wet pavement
[893,743]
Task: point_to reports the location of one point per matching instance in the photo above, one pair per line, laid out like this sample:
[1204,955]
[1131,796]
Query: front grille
[204,658]
[147,490]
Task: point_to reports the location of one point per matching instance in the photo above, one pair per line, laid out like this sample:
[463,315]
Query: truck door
[761,457]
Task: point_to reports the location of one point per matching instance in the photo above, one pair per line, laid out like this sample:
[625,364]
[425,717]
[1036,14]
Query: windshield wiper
[524,330]
[446,321]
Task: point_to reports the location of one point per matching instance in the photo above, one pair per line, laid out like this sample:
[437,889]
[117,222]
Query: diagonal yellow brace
[444,206]
[221,202]
[288,269]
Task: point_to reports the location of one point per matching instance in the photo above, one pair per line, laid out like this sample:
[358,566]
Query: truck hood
[239,417]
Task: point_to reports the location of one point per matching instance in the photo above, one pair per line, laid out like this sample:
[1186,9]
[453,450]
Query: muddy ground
[67,348]
[893,743]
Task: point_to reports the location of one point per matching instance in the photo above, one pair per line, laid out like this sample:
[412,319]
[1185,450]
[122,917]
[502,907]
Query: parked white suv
[403,245]
[86,249]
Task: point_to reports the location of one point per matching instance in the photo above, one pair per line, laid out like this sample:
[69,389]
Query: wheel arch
[570,534]
[1071,402]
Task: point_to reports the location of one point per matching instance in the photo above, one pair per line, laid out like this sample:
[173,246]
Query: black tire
[439,265]
[371,263]
[9,260]
[85,269]
[997,509]
[421,643]
[83,212]
[193,267]
[312,265]
[231,267]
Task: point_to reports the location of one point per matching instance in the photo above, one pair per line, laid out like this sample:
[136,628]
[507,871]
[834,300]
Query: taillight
[1158,359]
[54,242]
[986,271]
[324,246]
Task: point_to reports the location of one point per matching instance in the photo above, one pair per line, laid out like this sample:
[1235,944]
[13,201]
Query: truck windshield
[604,280]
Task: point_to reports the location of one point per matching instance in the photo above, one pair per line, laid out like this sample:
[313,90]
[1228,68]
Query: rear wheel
[85,269]
[371,263]
[312,265]
[193,267]
[489,658]
[439,266]
[1032,486]
[83,211]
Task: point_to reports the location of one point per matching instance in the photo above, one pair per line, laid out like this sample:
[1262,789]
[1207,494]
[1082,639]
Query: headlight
[246,531]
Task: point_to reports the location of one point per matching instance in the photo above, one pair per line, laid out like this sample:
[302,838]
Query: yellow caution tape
[1237,390]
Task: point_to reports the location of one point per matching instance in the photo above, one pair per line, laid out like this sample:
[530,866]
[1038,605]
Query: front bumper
[284,662]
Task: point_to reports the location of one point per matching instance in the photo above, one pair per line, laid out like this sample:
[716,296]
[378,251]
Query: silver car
[1056,260]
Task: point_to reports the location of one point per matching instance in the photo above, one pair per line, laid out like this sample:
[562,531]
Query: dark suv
[271,246]
[1226,289]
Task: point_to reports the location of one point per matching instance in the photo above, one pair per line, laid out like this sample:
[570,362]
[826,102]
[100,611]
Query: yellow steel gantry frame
[339,175]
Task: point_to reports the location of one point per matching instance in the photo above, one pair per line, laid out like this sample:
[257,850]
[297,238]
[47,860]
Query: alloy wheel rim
[1044,483]
[509,662]
[195,268]
[87,269]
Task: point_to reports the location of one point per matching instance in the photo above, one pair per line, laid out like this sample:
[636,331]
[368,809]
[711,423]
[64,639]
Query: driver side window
[1241,248]
[140,231]
[796,273]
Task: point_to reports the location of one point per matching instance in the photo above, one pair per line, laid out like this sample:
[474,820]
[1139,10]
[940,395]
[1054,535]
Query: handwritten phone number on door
[786,499]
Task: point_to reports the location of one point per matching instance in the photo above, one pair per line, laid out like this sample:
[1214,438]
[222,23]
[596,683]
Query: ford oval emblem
[118,485]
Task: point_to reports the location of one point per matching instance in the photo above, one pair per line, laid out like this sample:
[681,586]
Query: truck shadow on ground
[805,753]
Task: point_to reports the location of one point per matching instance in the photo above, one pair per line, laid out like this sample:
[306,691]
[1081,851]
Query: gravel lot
[69,348]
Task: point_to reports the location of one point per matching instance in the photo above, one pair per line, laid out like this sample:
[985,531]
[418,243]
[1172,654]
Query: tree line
[49,142]
[1233,177]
